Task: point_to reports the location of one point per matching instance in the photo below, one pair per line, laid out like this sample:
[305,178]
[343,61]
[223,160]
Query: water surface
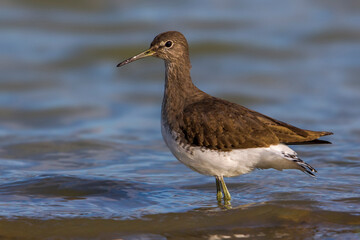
[81,154]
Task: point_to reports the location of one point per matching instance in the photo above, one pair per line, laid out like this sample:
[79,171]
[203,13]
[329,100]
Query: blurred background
[81,153]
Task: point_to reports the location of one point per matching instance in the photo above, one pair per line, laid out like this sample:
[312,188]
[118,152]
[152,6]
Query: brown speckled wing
[218,124]
[290,134]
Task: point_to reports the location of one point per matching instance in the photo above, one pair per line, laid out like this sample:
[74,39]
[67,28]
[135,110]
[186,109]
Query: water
[81,154]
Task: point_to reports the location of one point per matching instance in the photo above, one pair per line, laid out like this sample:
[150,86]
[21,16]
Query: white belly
[230,163]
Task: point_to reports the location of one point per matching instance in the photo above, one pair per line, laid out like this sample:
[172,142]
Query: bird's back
[218,124]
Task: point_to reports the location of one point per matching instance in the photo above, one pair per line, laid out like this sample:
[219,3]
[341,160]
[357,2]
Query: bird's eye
[168,44]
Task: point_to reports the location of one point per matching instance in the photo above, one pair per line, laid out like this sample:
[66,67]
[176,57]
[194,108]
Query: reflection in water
[67,187]
[81,154]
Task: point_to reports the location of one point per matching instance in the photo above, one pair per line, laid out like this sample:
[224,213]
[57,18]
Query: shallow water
[81,154]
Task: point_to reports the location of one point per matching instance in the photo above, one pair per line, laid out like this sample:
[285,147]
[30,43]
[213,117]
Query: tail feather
[305,167]
[316,141]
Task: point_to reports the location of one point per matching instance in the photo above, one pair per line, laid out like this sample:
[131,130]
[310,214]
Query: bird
[216,137]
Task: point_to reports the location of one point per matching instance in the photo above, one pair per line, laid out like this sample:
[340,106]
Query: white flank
[231,163]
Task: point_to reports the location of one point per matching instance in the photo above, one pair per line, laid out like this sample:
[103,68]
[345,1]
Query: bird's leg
[219,194]
[227,196]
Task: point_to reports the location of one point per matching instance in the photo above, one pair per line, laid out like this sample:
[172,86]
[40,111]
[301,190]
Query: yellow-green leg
[227,196]
[218,190]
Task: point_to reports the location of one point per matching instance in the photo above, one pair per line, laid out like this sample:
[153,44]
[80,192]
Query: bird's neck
[179,88]
[178,83]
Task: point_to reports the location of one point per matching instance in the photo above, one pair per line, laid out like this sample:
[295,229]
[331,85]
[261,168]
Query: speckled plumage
[216,137]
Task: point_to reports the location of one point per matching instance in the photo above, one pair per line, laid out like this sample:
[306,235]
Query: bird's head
[170,46]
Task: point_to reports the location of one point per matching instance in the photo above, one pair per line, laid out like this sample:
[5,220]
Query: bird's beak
[144,54]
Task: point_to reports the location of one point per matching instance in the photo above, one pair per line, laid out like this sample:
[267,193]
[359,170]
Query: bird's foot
[219,196]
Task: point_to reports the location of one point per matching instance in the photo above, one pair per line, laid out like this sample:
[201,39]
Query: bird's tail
[305,167]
